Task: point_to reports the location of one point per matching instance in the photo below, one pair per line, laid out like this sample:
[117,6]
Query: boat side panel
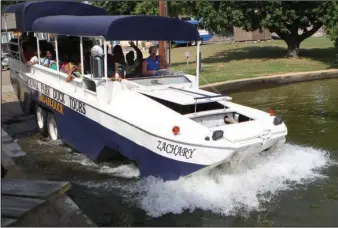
[89,137]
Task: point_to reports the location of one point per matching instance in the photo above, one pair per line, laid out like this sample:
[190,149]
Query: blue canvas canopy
[118,27]
[27,12]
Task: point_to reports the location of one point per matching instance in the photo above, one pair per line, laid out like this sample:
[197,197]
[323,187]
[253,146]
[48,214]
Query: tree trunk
[293,48]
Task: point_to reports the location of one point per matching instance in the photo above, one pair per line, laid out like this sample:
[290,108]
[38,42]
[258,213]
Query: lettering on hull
[51,103]
[175,149]
[77,105]
[56,99]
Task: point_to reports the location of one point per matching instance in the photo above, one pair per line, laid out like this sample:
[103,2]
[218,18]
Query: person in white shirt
[46,61]
[34,59]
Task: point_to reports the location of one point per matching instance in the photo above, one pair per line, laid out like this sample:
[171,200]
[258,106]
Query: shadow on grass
[325,55]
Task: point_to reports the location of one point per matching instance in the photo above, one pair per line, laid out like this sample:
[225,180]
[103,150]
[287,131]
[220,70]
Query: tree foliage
[293,21]
[146,7]
[331,23]
[117,7]
[4,4]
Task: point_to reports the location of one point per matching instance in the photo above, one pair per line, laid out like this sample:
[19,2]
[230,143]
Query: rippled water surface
[296,187]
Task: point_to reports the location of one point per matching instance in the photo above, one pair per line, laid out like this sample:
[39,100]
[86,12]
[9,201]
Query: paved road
[9,103]
[12,119]
[5,77]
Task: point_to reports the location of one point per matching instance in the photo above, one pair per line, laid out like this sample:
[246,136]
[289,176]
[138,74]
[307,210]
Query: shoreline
[271,80]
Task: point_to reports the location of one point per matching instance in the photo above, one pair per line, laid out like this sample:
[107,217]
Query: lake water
[296,187]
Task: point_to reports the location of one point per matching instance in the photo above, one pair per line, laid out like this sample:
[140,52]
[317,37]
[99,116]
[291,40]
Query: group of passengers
[138,67]
[118,65]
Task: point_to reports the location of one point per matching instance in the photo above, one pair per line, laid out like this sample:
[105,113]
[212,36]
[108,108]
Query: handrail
[208,97]
[12,43]
[187,91]
[16,52]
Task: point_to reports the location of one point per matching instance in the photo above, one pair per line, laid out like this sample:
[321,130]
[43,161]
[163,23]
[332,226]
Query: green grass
[222,62]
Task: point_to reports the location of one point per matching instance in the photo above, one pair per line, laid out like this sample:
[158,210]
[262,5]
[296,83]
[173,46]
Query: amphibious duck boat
[165,124]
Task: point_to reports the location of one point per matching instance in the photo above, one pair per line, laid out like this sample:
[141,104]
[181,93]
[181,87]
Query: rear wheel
[52,127]
[41,120]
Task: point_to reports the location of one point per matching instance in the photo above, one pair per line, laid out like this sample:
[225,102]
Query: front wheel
[52,127]
[41,120]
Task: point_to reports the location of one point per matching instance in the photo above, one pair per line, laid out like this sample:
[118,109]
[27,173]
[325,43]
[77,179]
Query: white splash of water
[124,170]
[78,159]
[246,188]
[50,142]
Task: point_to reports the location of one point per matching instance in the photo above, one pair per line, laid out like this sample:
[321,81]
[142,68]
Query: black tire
[52,130]
[41,120]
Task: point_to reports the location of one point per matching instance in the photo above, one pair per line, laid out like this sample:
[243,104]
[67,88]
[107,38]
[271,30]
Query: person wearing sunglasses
[152,64]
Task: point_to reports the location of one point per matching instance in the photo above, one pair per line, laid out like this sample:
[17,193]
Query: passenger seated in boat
[34,60]
[66,67]
[118,60]
[110,64]
[27,52]
[134,67]
[75,72]
[48,59]
[152,64]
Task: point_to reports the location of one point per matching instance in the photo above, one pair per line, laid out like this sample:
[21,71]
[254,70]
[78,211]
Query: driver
[151,65]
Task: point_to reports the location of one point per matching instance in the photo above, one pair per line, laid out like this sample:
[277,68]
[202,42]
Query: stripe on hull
[89,137]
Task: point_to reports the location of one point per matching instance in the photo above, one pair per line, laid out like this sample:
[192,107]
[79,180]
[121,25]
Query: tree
[292,21]
[331,23]
[117,7]
[4,4]
[147,7]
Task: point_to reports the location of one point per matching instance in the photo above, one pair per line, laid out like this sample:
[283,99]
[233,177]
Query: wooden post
[162,44]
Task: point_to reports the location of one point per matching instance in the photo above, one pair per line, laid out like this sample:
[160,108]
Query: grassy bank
[221,62]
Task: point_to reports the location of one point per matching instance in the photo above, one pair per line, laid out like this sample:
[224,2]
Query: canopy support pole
[81,54]
[105,62]
[38,46]
[169,54]
[198,66]
[162,44]
[20,52]
[57,54]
